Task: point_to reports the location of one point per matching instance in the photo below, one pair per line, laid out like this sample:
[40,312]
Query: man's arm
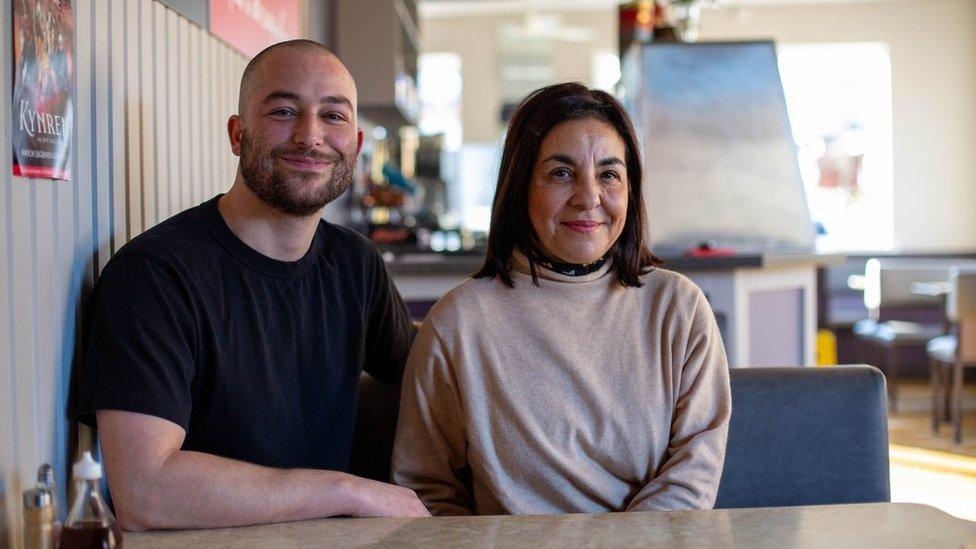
[155,485]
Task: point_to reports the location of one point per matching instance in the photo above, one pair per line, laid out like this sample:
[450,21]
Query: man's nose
[586,193]
[308,131]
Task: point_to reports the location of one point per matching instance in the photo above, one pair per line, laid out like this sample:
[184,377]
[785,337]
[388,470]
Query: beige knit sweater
[577,396]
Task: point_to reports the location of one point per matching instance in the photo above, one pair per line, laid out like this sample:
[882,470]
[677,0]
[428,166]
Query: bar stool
[887,288]
[953,353]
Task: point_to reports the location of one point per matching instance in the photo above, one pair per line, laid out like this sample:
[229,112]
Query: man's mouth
[304,162]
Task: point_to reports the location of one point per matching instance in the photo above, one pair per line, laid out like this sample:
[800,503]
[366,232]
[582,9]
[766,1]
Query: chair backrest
[961,307]
[806,436]
[888,281]
[376,419]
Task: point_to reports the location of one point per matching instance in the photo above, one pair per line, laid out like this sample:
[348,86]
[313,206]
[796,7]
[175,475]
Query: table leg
[935,380]
[946,375]
[957,399]
[893,376]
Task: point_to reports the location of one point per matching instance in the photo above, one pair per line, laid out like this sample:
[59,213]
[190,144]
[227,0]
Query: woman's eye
[610,174]
[560,173]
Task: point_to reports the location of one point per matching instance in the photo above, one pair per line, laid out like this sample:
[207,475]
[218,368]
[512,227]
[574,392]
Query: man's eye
[338,117]
[283,112]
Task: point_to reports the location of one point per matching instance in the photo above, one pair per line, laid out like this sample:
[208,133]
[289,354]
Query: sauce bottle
[90,523]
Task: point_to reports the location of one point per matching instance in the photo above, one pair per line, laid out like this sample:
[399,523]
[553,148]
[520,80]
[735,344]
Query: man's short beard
[275,190]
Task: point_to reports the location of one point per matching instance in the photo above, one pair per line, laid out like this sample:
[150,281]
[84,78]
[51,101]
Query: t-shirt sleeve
[389,328]
[139,356]
[692,468]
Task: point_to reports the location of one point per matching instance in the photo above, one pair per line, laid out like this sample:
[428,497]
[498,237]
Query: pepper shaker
[39,525]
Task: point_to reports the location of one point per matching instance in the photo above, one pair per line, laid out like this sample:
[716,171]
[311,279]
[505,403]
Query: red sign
[252,25]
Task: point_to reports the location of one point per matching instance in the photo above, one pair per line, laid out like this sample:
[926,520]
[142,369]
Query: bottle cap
[87,468]
[45,476]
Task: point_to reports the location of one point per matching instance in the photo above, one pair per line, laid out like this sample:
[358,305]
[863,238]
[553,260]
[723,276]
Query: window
[839,100]
[439,87]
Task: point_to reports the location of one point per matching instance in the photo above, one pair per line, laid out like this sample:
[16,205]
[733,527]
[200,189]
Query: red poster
[42,107]
[252,25]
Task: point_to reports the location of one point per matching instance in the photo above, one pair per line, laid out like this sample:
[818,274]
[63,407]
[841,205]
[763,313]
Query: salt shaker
[41,526]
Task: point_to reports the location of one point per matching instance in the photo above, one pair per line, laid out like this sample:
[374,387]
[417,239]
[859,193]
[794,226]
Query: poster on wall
[42,106]
[249,26]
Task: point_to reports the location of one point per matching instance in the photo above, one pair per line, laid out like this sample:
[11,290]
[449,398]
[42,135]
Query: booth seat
[798,436]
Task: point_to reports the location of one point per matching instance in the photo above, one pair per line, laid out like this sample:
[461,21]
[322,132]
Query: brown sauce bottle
[91,535]
[90,523]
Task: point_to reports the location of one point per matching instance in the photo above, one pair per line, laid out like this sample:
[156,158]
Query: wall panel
[182,110]
[208,143]
[152,94]
[133,121]
[83,166]
[22,342]
[172,127]
[161,107]
[46,332]
[101,128]
[69,268]
[194,132]
[8,411]
[117,139]
[147,112]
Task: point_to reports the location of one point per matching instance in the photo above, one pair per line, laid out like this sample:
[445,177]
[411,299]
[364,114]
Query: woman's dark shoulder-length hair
[511,228]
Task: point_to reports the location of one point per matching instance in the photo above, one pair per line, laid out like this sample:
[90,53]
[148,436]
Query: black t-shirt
[256,359]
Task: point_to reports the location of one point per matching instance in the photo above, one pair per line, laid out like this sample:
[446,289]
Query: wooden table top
[889,525]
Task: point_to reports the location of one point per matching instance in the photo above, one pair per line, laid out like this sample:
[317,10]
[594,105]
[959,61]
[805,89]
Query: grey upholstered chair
[951,354]
[885,334]
[798,436]
[806,436]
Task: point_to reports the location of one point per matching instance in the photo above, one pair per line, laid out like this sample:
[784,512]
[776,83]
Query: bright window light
[839,101]
[439,87]
[604,70]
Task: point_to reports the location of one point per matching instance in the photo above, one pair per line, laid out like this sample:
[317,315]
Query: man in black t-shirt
[226,342]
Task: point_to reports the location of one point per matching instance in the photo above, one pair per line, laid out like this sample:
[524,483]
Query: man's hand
[379,499]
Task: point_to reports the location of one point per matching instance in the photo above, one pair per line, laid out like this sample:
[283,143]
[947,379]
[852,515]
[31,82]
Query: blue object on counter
[397,179]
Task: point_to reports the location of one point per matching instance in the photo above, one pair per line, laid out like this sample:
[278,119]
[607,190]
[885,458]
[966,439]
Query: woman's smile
[581,226]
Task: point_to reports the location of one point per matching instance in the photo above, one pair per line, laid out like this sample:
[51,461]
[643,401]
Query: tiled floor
[930,468]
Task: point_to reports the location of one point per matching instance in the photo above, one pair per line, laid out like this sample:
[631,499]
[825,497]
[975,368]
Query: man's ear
[235,131]
[359,140]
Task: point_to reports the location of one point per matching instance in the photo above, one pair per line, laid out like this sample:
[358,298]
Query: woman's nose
[586,194]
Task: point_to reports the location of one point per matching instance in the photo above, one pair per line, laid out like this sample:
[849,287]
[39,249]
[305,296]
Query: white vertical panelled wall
[153,94]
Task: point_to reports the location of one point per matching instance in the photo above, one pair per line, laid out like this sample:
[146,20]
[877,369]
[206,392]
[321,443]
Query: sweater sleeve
[430,449]
[689,475]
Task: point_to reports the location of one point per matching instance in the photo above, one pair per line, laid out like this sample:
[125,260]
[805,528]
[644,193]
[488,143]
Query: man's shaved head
[247,79]
[296,131]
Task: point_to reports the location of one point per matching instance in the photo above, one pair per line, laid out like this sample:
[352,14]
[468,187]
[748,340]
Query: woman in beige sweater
[570,374]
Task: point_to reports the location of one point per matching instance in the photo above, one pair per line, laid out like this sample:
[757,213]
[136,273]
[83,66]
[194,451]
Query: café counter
[765,304]
[890,525]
